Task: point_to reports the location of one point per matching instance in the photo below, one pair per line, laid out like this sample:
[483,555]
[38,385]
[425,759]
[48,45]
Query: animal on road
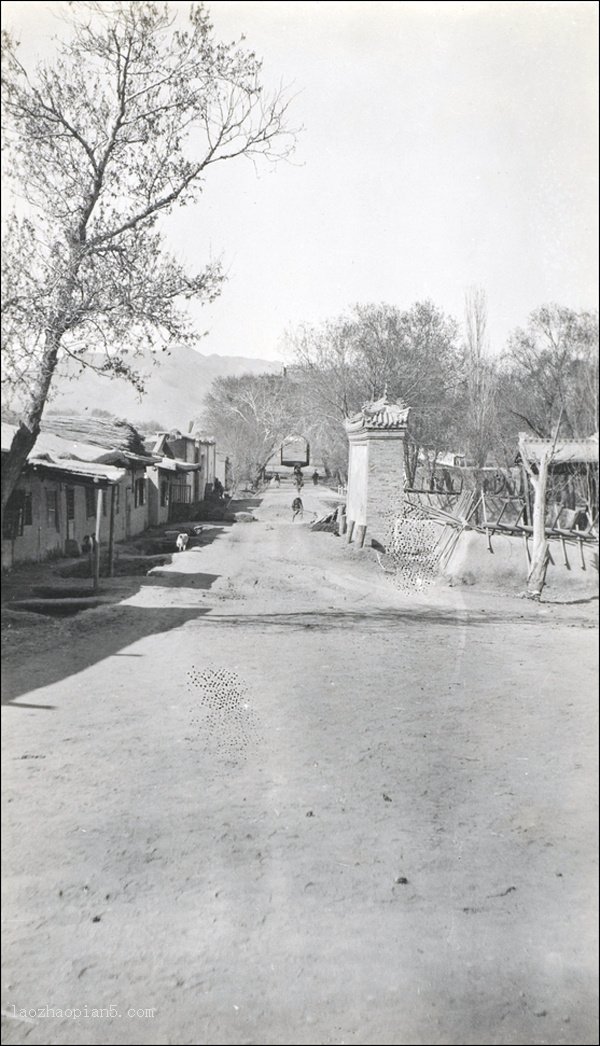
[182,542]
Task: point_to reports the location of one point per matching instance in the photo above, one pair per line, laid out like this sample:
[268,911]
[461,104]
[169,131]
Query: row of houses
[84,472]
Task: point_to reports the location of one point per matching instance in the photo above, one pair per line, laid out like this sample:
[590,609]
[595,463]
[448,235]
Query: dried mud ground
[271,799]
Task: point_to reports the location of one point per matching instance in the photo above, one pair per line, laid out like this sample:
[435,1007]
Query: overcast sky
[444,144]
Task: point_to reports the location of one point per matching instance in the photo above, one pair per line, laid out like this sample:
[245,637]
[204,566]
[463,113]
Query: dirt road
[271,800]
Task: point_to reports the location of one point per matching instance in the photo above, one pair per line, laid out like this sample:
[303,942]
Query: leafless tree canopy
[102,143]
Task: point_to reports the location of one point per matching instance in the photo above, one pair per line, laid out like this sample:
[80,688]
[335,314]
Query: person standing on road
[315,478]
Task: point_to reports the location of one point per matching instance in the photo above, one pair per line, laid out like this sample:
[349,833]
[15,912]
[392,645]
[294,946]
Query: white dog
[182,542]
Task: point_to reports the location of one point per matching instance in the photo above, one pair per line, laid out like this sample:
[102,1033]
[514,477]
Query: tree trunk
[540,552]
[411,458]
[29,427]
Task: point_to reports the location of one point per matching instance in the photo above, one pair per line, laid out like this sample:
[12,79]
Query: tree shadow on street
[84,641]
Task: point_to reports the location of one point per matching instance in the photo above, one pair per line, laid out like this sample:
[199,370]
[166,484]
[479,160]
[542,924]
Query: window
[90,502]
[70,497]
[164,493]
[181,494]
[139,492]
[17,514]
[52,510]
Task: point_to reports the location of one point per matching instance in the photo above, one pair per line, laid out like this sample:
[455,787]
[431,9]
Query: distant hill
[175,387]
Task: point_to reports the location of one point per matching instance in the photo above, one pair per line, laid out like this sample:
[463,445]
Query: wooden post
[564,552]
[581,555]
[111,533]
[350,530]
[360,535]
[526,493]
[96,585]
[540,550]
[485,523]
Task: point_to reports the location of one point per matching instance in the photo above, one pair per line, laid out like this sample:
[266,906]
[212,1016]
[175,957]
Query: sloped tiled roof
[381,414]
[575,451]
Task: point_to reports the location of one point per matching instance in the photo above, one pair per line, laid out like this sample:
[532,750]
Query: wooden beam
[96,584]
[564,552]
[581,555]
[485,523]
[527,494]
[111,533]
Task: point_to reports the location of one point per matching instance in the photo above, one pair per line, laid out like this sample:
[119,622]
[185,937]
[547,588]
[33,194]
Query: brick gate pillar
[375,468]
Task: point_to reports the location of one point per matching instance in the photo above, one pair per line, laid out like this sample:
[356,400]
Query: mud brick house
[182,474]
[53,507]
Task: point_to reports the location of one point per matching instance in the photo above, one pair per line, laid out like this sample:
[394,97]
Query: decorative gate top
[380,415]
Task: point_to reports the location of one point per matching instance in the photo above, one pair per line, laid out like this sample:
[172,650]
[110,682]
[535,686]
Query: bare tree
[103,143]
[250,416]
[325,387]
[480,380]
[413,353]
[551,371]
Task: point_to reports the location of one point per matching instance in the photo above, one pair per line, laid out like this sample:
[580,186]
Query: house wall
[188,449]
[129,519]
[385,488]
[197,479]
[194,450]
[42,537]
[85,514]
[157,513]
[183,448]
[136,518]
[210,450]
[221,467]
[357,483]
[212,464]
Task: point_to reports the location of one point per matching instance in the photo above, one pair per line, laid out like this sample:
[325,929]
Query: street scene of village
[300,524]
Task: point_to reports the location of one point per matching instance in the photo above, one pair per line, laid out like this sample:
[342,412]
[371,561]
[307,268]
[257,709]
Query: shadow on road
[91,639]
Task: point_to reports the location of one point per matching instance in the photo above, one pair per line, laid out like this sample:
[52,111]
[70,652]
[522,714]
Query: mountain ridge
[175,386]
